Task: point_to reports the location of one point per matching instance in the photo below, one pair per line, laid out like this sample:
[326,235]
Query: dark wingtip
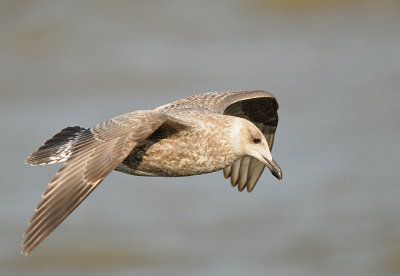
[56,149]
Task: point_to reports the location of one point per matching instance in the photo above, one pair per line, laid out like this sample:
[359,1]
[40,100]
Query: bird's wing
[95,153]
[259,107]
[262,110]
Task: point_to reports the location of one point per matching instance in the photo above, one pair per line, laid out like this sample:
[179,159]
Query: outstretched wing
[257,106]
[94,154]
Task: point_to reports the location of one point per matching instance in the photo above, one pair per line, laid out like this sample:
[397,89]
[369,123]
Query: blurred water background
[334,67]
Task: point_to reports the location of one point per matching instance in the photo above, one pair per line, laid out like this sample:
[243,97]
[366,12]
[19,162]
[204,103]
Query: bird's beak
[273,167]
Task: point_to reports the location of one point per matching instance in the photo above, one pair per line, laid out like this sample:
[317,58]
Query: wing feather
[235,172]
[227,171]
[243,171]
[95,154]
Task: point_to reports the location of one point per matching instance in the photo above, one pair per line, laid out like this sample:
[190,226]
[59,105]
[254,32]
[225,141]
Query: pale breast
[203,147]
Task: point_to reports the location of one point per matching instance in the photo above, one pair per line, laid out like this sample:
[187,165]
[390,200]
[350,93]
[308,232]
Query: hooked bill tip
[274,168]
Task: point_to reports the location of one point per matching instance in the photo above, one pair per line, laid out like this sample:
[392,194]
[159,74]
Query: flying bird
[229,131]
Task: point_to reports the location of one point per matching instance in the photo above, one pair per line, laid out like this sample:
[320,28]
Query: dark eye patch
[257,140]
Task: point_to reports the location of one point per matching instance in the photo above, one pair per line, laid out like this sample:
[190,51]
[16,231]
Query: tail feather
[57,148]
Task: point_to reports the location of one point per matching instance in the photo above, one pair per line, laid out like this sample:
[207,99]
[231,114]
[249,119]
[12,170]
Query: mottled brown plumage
[233,131]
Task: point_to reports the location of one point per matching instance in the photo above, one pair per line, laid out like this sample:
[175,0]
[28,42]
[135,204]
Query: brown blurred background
[334,67]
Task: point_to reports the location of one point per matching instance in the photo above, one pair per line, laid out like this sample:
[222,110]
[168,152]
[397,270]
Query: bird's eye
[256,140]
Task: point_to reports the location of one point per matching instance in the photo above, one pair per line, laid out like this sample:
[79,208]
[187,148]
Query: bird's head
[252,142]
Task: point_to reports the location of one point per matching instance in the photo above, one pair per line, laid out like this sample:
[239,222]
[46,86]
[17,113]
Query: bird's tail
[57,148]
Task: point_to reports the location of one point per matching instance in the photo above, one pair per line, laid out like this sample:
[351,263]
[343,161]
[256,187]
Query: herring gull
[233,131]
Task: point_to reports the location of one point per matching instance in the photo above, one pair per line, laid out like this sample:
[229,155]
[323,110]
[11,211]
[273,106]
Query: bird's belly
[175,157]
